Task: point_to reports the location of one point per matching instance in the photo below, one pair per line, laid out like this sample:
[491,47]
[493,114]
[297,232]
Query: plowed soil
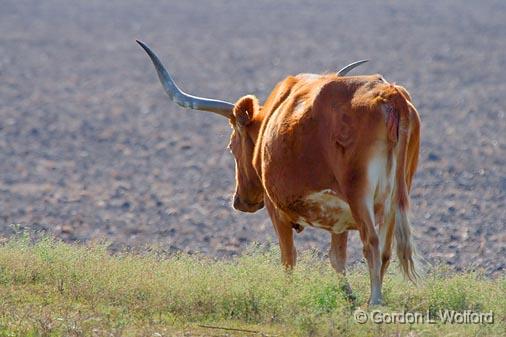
[90,146]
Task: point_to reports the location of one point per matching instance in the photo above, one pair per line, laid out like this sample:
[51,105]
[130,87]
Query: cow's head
[249,193]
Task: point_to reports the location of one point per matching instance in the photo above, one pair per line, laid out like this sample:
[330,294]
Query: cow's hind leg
[363,213]
[284,233]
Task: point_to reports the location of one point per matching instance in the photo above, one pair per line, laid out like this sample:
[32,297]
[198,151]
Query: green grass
[56,289]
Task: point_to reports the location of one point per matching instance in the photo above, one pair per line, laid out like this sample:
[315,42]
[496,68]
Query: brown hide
[317,133]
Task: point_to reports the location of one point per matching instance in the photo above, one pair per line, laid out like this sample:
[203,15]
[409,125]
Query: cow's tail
[406,252]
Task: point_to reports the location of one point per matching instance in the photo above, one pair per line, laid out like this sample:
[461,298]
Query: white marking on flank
[331,207]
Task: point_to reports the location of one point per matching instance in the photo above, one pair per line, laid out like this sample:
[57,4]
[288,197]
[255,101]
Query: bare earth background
[90,147]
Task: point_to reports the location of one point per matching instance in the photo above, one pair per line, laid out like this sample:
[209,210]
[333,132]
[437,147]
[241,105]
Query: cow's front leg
[284,233]
[337,256]
[337,252]
[386,233]
[286,244]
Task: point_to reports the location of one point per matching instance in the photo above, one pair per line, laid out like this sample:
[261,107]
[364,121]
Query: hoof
[378,302]
[348,292]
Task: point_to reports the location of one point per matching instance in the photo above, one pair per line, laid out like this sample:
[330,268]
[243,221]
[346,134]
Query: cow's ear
[244,109]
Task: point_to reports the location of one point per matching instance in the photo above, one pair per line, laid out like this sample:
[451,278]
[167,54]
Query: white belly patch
[326,210]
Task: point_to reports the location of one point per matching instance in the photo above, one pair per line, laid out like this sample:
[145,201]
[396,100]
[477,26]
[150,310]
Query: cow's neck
[254,131]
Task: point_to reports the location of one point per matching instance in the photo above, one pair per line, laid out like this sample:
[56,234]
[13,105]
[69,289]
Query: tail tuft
[406,252]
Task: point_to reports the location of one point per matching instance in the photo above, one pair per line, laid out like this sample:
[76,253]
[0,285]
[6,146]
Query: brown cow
[327,151]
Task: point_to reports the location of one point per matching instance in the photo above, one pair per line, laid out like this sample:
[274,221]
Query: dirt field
[91,147]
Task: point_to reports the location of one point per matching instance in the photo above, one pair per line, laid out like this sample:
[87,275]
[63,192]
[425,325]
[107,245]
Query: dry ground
[91,147]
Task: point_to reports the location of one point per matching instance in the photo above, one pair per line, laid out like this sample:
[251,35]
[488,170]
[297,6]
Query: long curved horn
[349,67]
[183,99]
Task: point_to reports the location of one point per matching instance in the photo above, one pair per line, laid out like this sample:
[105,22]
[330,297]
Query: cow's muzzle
[245,206]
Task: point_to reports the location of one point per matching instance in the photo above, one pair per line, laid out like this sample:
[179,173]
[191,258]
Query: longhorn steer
[327,151]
